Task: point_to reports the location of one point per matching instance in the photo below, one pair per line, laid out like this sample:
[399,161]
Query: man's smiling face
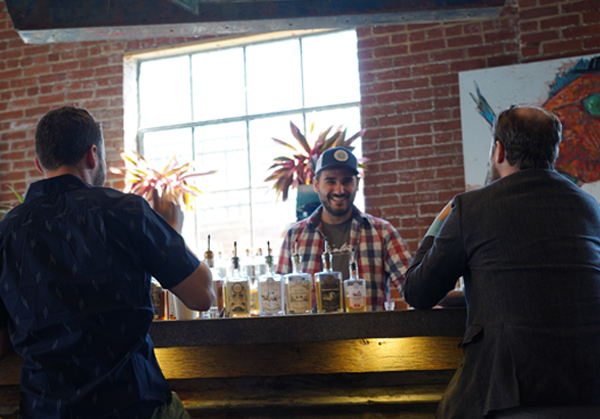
[337,189]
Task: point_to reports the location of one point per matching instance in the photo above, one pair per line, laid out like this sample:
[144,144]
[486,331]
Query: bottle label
[270,295]
[299,294]
[237,299]
[356,294]
[330,293]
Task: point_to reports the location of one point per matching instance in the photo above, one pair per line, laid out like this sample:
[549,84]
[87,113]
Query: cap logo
[340,155]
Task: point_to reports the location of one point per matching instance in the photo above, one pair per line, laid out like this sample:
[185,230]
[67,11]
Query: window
[221,107]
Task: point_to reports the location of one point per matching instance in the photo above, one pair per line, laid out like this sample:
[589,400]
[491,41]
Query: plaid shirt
[381,254]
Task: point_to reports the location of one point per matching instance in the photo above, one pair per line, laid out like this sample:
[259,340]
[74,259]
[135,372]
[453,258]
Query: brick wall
[409,84]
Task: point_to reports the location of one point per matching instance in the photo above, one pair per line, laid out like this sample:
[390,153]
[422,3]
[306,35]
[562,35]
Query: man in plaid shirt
[380,251]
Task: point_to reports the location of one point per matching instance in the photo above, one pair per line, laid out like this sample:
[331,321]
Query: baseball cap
[337,157]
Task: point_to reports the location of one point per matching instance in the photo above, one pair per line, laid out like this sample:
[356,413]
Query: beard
[337,212]
[493,174]
[100,177]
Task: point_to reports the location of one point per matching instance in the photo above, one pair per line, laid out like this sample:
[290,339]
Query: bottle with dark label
[270,289]
[237,289]
[298,288]
[355,289]
[328,284]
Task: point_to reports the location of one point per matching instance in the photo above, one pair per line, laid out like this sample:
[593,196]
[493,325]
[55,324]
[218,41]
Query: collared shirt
[381,253]
[75,282]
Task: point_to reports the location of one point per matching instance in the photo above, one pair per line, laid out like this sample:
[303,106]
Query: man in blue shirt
[75,281]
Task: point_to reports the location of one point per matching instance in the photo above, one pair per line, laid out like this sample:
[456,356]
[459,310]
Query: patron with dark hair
[528,248]
[75,281]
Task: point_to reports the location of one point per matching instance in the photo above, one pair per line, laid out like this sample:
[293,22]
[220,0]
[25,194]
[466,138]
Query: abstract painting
[569,88]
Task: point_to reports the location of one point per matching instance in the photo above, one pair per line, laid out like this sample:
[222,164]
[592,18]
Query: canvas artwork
[569,88]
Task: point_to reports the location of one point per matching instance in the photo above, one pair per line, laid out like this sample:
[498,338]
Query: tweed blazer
[528,248]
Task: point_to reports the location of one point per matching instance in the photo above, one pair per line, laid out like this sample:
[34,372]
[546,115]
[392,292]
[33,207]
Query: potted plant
[5,208]
[171,182]
[298,170]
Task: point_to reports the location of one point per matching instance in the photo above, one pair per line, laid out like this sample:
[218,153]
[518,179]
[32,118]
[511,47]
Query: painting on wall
[569,88]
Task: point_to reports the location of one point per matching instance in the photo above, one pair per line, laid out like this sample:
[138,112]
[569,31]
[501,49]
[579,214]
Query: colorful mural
[572,94]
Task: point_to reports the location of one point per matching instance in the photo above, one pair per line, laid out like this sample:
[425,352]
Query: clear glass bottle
[355,289]
[237,290]
[159,301]
[217,304]
[270,289]
[328,284]
[298,288]
[248,268]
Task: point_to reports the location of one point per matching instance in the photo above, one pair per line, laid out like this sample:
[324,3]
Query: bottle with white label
[328,284]
[355,289]
[298,288]
[270,289]
[236,294]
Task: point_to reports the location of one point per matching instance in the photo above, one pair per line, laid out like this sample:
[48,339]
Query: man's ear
[500,154]
[38,165]
[91,157]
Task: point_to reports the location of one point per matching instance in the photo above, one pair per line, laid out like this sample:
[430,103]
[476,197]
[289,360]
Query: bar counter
[346,365]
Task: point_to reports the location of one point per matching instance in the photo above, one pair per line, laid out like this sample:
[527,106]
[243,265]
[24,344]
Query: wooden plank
[352,356]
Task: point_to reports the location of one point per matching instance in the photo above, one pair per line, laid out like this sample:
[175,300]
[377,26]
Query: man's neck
[69,170]
[329,218]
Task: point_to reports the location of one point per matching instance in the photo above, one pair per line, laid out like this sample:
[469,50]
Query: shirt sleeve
[437,264]
[165,255]
[397,257]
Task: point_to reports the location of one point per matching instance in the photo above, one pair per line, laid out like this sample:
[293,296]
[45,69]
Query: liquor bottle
[159,301]
[270,289]
[355,289]
[237,289]
[248,269]
[260,265]
[298,288]
[221,264]
[328,284]
[217,304]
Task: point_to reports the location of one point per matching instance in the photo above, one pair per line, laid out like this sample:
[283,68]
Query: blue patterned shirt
[75,282]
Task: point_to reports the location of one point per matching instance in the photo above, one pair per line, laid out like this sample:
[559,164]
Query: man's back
[531,244]
[74,280]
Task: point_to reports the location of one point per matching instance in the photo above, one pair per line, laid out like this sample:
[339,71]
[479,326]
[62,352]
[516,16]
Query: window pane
[164,91]
[274,77]
[330,65]
[222,147]
[263,149]
[218,84]
[271,221]
[226,217]
[160,146]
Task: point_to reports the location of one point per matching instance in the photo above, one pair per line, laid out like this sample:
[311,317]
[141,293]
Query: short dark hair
[64,135]
[530,135]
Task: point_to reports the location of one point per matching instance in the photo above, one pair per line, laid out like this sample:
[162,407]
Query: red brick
[413,106]
[427,46]
[562,46]
[390,51]
[389,178]
[465,41]
[467,65]
[433,92]
[485,50]
[581,31]
[416,37]
[448,55]
[415,129]
[592,42]
[432,116]
[509,35]
[591,17]
[387,29]
[399,38]
[539,37]
[503,60]
[530,26]
[413,59]
[373,42]
[411,83]
[439,68]
[579,6]
[453,31]
[394,97]
[394,74]
[417,199]
[560,22]
[374,65]
[396,120]
[538,12]
[444,80]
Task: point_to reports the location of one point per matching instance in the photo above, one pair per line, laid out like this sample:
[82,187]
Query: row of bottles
[242,293]
[293,293]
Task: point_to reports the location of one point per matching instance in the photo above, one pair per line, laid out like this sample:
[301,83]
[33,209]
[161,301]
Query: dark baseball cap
[337,157]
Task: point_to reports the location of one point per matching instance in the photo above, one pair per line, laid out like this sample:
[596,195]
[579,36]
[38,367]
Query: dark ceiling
[43,21]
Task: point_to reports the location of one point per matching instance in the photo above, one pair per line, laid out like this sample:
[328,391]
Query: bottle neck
[353,270]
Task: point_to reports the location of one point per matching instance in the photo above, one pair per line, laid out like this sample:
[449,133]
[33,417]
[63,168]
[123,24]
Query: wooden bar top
[309,328]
